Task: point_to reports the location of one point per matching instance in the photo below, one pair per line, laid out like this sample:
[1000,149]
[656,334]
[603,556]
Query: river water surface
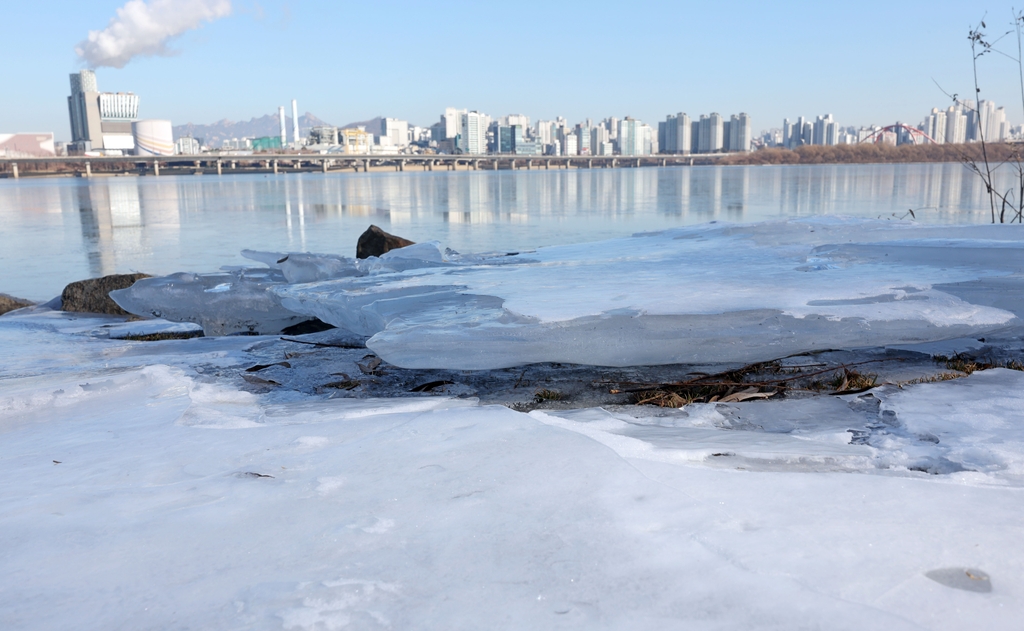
[57,230]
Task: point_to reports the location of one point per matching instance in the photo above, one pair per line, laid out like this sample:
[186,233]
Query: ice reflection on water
[57,230]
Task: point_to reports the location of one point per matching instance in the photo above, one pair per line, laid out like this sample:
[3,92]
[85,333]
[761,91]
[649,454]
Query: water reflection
[58,230]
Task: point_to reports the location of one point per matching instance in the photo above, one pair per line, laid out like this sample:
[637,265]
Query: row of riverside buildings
[462,131]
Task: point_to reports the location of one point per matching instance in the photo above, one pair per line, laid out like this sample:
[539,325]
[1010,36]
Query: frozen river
[59,230]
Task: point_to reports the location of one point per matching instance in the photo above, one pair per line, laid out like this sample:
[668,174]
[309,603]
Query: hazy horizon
[242,59]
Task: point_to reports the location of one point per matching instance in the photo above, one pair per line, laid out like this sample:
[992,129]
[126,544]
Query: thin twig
[324,344]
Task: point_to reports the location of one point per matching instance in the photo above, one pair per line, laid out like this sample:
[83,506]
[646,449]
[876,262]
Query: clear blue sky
[865,62]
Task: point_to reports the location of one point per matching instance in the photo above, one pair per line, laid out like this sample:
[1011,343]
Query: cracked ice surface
[140,491]
[705,294]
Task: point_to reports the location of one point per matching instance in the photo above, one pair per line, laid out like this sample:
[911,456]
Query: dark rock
[93,295]
[308,326]
[10,303]
[375,242]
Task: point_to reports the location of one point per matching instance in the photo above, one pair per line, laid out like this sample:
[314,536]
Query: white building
[631,137]
[396,131]
[956,125]
[515,119]
[598,136]
[935,125]
[740,132]
[187,146]
[710,131]
[450,123]
[473,132]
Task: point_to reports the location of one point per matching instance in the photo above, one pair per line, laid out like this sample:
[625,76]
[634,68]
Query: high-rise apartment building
[710,133]
[956,125]
[935,125]
[740,132]
[674,134]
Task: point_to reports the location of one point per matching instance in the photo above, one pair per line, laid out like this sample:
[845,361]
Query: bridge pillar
[638,163]
[88,170]
[156,168]
[590,163]
[401,165]
[615,162]
[494,165]
[220,168]
[366,165]
[529,164]
[14,169]
[568,163]
[323,165]
[275,167]
[664,162]
[547,164]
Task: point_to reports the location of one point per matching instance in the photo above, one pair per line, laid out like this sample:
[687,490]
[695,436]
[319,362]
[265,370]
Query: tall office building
[473,132]
[395,131]
[582,134]
[543,134]
[598,139]
[100,121]
[451,121]
[631,137]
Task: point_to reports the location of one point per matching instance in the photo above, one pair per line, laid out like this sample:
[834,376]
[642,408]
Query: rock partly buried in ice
[10,303]
[705,294]
[307,267]
[223,303]
[93,295]
[376,242]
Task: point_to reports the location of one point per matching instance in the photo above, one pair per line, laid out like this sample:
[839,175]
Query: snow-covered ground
[148,486]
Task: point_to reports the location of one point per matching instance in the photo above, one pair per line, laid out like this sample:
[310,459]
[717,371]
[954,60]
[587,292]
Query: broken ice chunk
[222,303]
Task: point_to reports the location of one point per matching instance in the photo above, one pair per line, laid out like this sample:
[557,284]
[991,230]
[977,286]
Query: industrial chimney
[284,138]
[295,122]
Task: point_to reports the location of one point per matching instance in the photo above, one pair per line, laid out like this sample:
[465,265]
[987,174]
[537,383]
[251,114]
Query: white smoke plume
[144,28]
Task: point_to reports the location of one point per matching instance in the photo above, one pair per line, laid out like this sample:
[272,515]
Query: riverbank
[877,154]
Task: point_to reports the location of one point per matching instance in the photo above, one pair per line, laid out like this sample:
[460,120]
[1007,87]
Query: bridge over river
[219,164]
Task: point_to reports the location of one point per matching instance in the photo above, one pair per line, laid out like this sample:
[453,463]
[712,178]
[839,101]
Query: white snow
[144,489]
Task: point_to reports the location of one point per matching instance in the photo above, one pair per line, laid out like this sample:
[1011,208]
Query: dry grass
[159,337]
[547,395]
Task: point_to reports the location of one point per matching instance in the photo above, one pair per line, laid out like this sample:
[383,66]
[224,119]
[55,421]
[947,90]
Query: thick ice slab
[713,293]
[222,303]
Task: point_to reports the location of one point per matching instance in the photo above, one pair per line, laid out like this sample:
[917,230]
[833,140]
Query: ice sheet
[713,293]
[144,490]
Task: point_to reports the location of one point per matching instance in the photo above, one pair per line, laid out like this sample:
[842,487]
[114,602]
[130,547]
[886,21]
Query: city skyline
[260,56]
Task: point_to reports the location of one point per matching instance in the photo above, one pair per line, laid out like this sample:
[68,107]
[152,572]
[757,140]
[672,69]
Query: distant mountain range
[215,133]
